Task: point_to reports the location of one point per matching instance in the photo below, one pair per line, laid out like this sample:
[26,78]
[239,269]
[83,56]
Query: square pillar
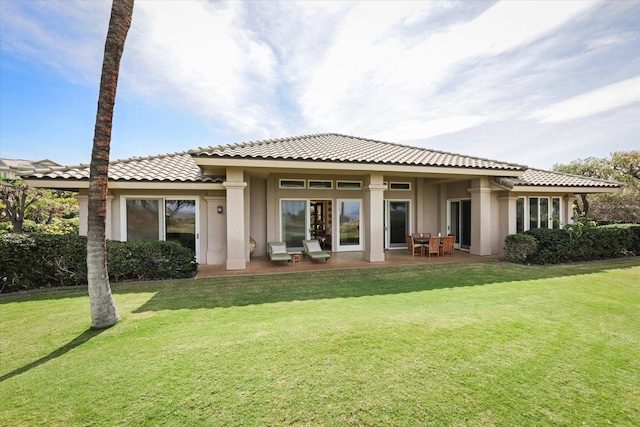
[236,241]
[507,218]
[480,217]
[374,219]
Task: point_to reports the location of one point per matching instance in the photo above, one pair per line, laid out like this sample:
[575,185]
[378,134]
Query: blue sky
[534,83]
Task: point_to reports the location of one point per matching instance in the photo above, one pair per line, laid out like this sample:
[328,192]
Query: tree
[623,167]
[17,198]
[103,310]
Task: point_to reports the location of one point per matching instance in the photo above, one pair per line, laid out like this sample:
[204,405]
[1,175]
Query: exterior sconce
[220,209]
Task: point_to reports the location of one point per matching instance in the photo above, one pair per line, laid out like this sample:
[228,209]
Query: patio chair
[313,251]
[448,244]
[434,246]
[414,248]
[277,251]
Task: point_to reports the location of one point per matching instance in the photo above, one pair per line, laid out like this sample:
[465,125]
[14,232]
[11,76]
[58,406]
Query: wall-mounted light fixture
[220,209]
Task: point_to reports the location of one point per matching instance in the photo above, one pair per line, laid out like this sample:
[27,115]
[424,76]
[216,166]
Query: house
[353,193]
[10,168]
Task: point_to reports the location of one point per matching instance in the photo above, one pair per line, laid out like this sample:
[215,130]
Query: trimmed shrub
[29,261]
[583,243]
[554,246]
[517,247]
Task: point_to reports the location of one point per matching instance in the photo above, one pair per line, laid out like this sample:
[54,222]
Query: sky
[529,82]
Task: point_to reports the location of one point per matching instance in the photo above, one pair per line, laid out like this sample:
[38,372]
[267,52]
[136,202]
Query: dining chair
[448,245]
[434,246]
[414,248]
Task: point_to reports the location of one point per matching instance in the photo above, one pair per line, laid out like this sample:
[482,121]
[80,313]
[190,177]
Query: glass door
[396,223]
[349,225]
[294,222]
[180,222]
[459,222]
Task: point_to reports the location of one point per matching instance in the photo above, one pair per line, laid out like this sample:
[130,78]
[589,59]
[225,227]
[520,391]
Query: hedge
[30,261]
[576,244]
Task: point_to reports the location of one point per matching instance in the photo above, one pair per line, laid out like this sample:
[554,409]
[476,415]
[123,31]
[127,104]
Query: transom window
[321,184]
[292,183]
[402,186]
[349,185]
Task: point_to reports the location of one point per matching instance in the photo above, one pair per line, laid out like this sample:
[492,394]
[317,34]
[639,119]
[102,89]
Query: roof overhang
[213,164]
[67,184]
[555,189]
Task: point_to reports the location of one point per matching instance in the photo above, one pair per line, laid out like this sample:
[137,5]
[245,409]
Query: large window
[542,212]
[158,218]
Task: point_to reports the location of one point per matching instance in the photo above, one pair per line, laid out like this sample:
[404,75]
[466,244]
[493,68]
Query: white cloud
[372,71]
[420,129]
[200,57]
[595,102]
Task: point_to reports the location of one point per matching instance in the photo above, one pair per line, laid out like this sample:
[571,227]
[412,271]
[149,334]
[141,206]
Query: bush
[635,235]
[61,260]
[517,247]
[554,246]
[576,243]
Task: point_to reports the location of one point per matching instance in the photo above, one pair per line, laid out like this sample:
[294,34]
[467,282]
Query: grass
[455,344]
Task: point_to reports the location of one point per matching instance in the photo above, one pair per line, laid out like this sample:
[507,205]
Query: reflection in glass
[349,223]
[143,222]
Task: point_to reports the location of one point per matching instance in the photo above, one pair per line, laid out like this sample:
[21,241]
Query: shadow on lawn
[266,289]
[74,343]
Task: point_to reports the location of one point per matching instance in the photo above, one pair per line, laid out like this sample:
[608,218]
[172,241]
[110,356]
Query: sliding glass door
[294,222]
[459,222]
[396,223]
[349,225]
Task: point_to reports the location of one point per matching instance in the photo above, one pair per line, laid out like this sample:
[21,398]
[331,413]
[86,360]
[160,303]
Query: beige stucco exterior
[250,201]
[478,200]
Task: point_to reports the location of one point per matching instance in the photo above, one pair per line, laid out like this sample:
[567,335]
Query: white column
[236,240]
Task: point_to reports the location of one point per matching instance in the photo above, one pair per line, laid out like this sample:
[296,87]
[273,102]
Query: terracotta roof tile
[331,147]
[542,178]
[181,167]
[177,167]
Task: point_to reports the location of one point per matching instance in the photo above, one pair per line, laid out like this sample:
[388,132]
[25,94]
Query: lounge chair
[277,251]
[313,251]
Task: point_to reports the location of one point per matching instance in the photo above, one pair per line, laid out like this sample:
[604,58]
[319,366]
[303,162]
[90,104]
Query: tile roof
[542,178]
[181,167]
[177,167]
[331,147]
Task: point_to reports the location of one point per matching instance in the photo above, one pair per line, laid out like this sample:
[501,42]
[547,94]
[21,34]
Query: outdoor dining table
[425,239]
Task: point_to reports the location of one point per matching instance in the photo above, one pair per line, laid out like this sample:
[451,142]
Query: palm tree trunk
[103,310]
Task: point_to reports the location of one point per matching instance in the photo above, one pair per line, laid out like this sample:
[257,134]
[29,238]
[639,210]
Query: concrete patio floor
[338,261]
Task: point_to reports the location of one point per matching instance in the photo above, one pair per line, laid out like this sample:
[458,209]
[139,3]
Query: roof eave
[77,184]
[562,189]
[252,163]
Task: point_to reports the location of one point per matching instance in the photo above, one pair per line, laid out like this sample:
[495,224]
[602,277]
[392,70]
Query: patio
[338,261]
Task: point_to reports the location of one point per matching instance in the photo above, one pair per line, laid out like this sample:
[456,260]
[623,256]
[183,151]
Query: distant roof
[332,147]
[27,165]
[176,167]
[542,178]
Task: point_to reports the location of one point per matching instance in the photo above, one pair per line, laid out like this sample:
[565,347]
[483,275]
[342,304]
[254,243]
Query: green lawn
[449,344]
